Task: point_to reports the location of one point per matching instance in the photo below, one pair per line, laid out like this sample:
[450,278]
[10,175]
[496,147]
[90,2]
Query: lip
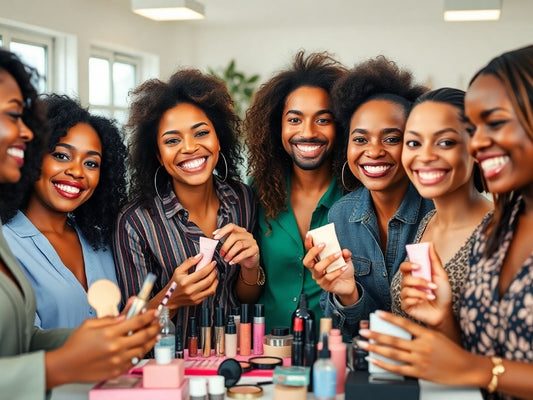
[430,176]
[68,189]
[16,152]
[492,165]
[376,170]
[193,165]
[308,149]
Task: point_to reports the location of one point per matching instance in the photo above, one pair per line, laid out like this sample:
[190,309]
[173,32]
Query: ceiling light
[472,10]
[168,10]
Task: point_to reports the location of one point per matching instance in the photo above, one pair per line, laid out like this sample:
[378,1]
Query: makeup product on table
[245,331]
[231,337]
[310,348]
[167,295]
[219,332]
[179,341]
[207,248]
[237,320]
[359,355]
[192,340]
[324,374]
[167,333]
[245,392]
[418,253]
[259,328]
[163,372]
[216,387]
[265,362]
[326,234]
[290,383]
[337,350]
[198,389]
[142,297]
[325,328]
[302,311]
[297,348]
[278,343]
[104,296]
[206,332]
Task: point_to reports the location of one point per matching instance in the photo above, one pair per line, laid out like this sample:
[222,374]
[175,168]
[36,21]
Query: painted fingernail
[364,332]
[322,245]
[337,254]
[432,285]
[430,296]
[307,235]
[231,263]
[222,253]
[344,268]
[215,231]
[217,236]
[382,314]
[134,360]
[362,344]
[198,255]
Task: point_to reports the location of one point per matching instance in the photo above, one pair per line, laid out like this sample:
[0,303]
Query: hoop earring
[342,175]
[226,166]
[155,182]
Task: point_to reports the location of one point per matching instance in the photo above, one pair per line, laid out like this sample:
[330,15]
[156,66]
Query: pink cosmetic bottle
[338,356]
[245,332]
[259,329]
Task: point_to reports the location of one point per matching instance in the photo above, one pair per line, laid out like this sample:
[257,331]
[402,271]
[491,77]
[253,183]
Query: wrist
[478,371]
[253,276]
[55,375]
[349,299]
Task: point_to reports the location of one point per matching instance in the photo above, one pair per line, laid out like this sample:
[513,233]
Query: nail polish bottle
[219,332]
[259,328]
[245,331]
[192,340]
[231,338]
[206,332]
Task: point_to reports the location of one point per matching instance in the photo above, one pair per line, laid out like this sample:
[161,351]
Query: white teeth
[494,162]
[430,175]
[67,188]
[193,163]
[15,152]
[376,169]
[307,148]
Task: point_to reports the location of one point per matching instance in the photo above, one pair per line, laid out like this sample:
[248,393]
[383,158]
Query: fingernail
[338,254]
[415,266]
[431,296]
[198,255]
[362,344]
[364,332]
[231,263]
[222,253]
[215,231]
[382,313]
[322,245]
[158,337]
[344,268]
[157,313]
[307,235]
[432,285]
[214,263]
[217,236]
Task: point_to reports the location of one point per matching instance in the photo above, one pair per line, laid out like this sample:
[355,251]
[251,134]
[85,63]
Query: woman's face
[188,145]
[375,145]
[14,134]
[71,172]
[499,142]
[435,150]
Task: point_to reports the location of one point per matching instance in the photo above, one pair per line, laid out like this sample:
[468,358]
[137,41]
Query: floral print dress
[492,325]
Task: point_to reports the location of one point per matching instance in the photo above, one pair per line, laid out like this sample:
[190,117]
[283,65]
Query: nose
[308,129]
[426,153]
[75,169]
[189,144]
[25,133]
[478,141]
[374,149]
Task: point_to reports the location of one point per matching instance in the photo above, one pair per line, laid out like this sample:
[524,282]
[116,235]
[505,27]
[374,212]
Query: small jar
[278,343]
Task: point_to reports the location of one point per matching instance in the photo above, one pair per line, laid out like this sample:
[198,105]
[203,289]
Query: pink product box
[163,376]
[130,387]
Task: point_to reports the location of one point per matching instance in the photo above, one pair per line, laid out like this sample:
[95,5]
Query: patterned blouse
[160,239]
[491,325]
[456,268]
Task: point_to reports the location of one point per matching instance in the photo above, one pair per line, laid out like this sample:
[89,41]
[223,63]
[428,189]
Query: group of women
[413,164]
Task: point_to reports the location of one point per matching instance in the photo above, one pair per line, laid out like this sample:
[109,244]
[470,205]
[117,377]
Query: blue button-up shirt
[357,229]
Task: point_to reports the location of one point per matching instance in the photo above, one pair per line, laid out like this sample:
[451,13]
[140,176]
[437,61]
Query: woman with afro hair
[382,213]
[61,233]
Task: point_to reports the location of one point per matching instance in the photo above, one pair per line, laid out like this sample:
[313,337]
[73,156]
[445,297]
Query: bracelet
[497,370]
[260,278]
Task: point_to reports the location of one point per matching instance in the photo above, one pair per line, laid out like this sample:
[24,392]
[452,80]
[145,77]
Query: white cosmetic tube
[207,248]
[326,234]
[418,253]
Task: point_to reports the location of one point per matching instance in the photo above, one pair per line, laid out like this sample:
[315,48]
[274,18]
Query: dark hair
[151,100]
[269,163]
[455,98]
[515,70]
[375,79]
[11,195]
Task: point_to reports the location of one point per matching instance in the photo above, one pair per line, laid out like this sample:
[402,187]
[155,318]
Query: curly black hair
[151,100]
[97,216]
[269,163]
[12,194]
[374,79]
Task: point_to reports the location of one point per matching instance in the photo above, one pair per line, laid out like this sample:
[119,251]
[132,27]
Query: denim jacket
[357,229]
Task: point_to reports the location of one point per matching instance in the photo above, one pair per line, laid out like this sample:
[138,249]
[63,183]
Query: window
[111,76]
[34,49]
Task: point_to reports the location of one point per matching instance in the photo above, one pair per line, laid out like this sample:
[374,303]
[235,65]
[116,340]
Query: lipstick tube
[245,332]
[219,332]
[259,328]
[192,340]
[206,332]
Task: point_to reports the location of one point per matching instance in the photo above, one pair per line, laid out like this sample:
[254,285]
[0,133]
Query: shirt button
[384,273]
[300,274]
[300,258]
[294,299]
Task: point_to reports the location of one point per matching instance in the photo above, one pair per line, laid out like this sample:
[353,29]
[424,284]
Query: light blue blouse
[61,299]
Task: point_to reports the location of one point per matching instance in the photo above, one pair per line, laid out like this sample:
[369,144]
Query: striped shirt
[161,238]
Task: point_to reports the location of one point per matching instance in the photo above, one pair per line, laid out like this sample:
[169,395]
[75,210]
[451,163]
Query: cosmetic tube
[324,374]
[179,341]
[192,340]
[310,348]
[140,300]
[338,356]
[219,332]
[231,338]
[245,332]
[207,248]
[259,328]
[206,332]
[297,348]
[326,234]
[237,320]
[418,253]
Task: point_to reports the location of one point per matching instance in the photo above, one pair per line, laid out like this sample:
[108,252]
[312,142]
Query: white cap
[216,384]
[162,355]
[197,387]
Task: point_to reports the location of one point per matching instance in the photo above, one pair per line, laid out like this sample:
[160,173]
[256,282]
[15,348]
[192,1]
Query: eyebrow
[384,131]
[177,132]
[486,113]
[438,133]
[319,112]
[72,148]
[16,101]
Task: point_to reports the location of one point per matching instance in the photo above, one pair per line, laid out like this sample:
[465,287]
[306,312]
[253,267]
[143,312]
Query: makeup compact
[264,362]
[245,392]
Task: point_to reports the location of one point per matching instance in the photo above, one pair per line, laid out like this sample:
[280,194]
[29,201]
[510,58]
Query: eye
[495,125]
[92,164]
[60,156]
[412,143]
[294,120]
[15,115]
[201,133]
[359,140]
[446,143]
[323,121]
[392,140]
[171,141]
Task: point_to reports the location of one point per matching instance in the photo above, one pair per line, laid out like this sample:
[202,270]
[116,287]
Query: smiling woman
[61,233]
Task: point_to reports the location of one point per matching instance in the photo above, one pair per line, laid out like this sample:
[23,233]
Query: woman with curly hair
[291,136]
[33,360]
[381,215]
[183,131]
[62,232]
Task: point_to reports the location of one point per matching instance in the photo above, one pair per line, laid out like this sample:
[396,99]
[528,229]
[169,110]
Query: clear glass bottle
[168,332]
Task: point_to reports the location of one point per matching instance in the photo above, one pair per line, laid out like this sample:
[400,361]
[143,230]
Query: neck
[44,218]
[196,199]
[314,180]
[387,202]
